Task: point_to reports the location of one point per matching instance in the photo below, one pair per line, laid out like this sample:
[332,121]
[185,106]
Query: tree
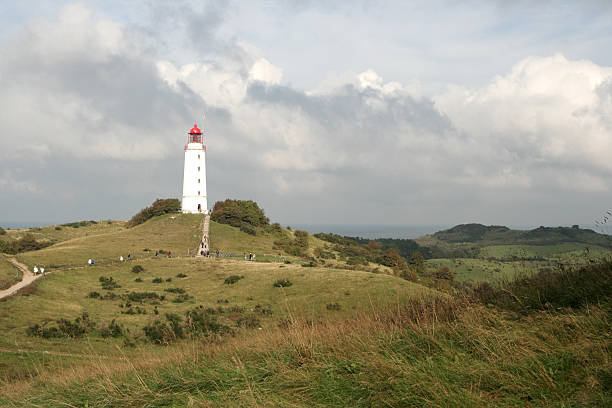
[418,261]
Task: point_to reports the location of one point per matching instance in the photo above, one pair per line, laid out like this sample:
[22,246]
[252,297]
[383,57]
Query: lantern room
[195,135]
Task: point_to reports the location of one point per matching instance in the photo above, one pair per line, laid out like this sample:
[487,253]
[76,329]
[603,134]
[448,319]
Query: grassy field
[9,275]
[315,293]
[333,337]
[59,233]
[423,354]
[178,233]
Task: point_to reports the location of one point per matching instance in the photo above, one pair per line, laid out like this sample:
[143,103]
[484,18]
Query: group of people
[91,261]
[38,270]
[252,256]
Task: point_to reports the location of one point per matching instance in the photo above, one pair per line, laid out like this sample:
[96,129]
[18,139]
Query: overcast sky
[390,112]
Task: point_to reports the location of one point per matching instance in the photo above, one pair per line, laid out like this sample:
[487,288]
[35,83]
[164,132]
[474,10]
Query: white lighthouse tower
[194,177]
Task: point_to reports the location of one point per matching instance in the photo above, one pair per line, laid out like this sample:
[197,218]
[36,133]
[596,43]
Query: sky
[361,112]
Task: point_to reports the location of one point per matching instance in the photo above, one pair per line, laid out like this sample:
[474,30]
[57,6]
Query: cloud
[94,114]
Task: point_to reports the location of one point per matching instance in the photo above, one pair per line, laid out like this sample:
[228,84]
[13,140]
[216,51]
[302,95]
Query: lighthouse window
[198,158]
[198,181]
[198,168]
[198,193]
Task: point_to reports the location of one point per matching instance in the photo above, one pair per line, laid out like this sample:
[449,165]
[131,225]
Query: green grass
[418,355]
[64,295]
[58,233]
[481,270]
[177,233]
[9,275]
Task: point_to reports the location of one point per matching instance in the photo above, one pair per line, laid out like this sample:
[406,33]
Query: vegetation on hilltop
[159,207]
[2,231]
[244,214]
[26,243]
[494,234]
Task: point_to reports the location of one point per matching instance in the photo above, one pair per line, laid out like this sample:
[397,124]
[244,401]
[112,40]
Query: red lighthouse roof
[195,130]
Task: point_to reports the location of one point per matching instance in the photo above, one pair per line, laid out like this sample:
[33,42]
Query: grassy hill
[499,235]
[303,326]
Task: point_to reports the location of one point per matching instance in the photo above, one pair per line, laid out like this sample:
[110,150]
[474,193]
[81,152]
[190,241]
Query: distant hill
[501,235]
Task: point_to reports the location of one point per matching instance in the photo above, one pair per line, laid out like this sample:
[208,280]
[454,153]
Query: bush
[565,287]
[113,329]
[444,273]
[239,213]
[137,268]
[142,296]
[108,283]
[138,280]
[175,290]
[181,275]
[93,295]
[157,280]
[332,306]
[250,322]
[2,231]
[58,228]
[159,207]
[26,243]
[232,279]
[249,229]
[169,280]
[282,283]
[181,298]
[63,328]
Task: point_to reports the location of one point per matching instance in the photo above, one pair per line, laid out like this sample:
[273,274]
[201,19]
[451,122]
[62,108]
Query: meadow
[294,330]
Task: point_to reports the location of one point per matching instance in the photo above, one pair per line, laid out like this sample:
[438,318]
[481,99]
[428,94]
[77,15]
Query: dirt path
[28,278]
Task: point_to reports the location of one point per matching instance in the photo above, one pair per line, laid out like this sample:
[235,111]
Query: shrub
[181,298]
[169,280]
[26,243]
[262,310]
[250,322]
[142,296]
[113,329]
[249,229]
[138,280]
[564,287]
[164,333]
[63,328]
[93,295]
[230,280]
[332,306]
[159,207]
[157,280]
[238,213]
[108,283]
[2,231]
[137,268]
[58,228]
[282,283]
[181,275]
[444,273]
[175,290]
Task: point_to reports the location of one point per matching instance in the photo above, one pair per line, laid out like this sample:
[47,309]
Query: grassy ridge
[447,353]
[177,233]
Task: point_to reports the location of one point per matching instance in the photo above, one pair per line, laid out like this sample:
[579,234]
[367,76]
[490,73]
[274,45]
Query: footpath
[204,242]
[28,277]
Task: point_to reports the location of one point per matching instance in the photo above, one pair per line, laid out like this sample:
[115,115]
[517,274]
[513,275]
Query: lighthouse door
[199,207]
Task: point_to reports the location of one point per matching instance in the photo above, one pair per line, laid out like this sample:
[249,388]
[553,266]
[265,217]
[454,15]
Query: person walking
[129,256]
[245,256]
[89,262]
[121,258]
[250,256]
[35,270]
[42,270]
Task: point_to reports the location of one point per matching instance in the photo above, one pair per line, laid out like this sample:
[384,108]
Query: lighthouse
[194,176]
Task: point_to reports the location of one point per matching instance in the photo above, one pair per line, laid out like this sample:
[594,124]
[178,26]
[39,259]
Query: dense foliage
[244,214]
[23,244]
[159,207]
[296,245]
[2,231]
[551,289]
